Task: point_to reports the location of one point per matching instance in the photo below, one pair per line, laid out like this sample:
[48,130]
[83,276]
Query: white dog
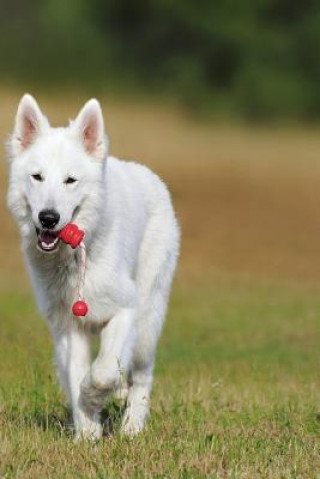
[59,175]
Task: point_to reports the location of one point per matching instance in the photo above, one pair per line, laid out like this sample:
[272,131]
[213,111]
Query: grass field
[237,381]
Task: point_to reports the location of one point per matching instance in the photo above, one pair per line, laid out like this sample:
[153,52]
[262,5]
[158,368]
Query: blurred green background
[253,60]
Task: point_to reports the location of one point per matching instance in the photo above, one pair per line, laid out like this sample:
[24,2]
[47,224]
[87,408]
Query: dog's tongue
[47,236]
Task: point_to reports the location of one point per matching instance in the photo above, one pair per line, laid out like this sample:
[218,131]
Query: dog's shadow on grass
[59,419]
[111,417]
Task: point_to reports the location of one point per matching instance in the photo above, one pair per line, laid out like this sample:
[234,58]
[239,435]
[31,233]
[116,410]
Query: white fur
[132,243]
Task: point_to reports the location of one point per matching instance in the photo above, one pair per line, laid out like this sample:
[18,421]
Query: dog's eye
[70,180]
[37,177]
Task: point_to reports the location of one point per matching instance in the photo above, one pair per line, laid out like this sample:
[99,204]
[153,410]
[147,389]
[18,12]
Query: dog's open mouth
[48,240]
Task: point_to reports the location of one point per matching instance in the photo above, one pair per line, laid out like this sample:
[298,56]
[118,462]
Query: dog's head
[55,173]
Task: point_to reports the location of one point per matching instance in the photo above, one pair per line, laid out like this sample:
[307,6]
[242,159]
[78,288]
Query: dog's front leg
[72,354]
[113,360]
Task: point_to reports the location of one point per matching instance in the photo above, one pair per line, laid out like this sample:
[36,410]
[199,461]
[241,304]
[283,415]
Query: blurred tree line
[257,59]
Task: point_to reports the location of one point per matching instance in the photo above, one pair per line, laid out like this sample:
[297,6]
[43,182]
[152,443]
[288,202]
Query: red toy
[73,236]
[80,308]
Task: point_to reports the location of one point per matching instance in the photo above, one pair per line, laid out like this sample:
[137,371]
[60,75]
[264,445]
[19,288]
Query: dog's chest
[60,285]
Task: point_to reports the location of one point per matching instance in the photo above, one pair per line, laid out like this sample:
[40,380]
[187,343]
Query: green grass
[236,394]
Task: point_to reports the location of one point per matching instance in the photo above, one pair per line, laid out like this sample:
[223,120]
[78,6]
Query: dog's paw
[133,423]
[97,385]
[90,434]
[88,427]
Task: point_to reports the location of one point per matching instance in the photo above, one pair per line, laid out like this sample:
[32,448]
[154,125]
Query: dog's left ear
[89,126]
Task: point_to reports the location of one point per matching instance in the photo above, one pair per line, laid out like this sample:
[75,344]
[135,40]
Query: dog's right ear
[29,124]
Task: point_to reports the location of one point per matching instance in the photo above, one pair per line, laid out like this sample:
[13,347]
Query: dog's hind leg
[137,410]
[157,262]
[72,357]
[148,328]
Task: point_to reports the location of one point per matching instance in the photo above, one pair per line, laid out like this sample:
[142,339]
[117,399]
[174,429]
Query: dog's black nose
[49,218]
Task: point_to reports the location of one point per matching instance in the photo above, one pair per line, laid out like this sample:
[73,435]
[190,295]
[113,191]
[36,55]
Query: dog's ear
[89,126]
[29,124]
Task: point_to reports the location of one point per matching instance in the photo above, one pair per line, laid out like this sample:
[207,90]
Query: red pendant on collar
[71,235]
[79,308]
